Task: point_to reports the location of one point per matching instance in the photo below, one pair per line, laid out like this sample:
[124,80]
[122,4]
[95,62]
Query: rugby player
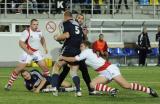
[30,42]
[107,72]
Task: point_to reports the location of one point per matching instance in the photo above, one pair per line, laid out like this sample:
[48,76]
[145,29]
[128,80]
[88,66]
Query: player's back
[75,32]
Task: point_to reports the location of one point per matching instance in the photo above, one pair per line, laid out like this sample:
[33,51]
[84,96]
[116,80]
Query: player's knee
[73,73]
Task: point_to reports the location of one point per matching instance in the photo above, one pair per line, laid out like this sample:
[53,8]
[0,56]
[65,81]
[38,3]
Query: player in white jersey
[106,70]
[30,42]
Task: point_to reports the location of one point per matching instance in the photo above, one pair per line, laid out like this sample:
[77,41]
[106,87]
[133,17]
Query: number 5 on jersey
[77,31]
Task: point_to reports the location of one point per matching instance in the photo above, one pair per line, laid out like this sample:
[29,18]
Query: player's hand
[85,31]
[60,57]
[30,52]
[37,91]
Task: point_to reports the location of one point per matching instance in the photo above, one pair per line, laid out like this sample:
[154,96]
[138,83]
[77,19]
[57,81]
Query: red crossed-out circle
[51,26]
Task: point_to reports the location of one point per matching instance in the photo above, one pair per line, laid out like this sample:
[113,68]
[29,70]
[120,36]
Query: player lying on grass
[106,70]
[36,82]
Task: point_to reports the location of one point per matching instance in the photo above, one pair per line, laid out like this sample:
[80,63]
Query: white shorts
[111,72]
[26,58]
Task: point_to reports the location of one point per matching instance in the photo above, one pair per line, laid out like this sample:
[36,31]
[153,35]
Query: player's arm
[43,42]
[62,36]
[68,59]
[40,85]
[22,44]
[83,55]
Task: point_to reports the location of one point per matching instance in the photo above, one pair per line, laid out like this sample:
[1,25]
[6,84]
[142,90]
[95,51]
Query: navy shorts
[71,52]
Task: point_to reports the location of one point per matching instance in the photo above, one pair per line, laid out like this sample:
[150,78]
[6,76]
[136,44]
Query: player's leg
[44,68]
[14,75]
[100,84]
[63,74]
[24,59]
[75,78]
[133,86]
[66,84]
[39,58]
[55,72]
[83,68]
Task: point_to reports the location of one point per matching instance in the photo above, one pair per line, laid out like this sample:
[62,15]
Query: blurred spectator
[43,6]
[35,6]
[96,7]
[100,47]
[158,40]
[143,46]
[120,3]
[76,6]
[23,7]
[86,8]
[102,4]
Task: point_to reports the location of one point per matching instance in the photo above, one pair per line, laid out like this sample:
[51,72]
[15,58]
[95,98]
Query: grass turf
[148,76]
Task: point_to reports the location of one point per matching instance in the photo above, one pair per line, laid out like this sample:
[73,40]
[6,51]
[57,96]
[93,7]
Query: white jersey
[33,39]
[107,70]
[91,58]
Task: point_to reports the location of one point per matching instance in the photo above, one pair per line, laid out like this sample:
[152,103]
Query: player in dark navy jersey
[73,36]
[82,65]
[36,82]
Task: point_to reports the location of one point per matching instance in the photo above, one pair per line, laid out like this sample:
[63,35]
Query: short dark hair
[24,71]
[68,13]
[101,35]
[33,20]
[86,43]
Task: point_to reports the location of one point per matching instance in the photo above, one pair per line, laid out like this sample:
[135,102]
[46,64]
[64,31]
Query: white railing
[87,8]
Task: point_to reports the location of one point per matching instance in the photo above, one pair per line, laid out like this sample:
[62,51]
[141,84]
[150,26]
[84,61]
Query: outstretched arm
[68,59]
[40,86]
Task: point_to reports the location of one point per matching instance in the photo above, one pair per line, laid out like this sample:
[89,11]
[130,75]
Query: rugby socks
[49,79]
[102,87]
[55,80]
[85,74]
[13,77]
[63,74]
[138,87]
[76,82]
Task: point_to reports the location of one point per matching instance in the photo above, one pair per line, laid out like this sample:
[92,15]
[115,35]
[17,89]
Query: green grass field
[148,76]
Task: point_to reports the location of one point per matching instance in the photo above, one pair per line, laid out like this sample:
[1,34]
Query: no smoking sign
[51,26]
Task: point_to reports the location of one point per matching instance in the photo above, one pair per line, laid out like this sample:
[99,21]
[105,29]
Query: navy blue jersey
[35,80]
[75,32]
